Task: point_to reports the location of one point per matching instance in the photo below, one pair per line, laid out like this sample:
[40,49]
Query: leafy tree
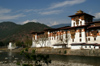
[65,52]
[28,42]
[19,43]
[1,44]
[6,43]
[38,59]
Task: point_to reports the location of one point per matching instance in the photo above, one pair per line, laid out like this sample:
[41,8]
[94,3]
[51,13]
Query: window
[77,22]
[80,22]
[90,46]
[80,40]
[94,47]
[74,24]
[94,38]
[88,39]
[85,46]
[80,35]
[80,31]
[72,40]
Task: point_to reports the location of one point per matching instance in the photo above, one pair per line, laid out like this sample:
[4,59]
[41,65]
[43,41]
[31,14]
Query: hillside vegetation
[10,31]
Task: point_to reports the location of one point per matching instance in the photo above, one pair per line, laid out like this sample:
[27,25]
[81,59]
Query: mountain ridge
[12,31]
[60,25]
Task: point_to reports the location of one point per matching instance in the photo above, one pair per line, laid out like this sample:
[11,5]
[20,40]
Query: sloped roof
[79,13]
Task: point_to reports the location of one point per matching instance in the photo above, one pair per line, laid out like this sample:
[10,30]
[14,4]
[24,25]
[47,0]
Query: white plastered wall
[76,47]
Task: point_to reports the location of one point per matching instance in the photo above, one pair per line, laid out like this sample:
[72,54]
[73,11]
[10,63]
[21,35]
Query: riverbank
[13,50]
[62,51]
[54,63]
[56,60]
[59,57]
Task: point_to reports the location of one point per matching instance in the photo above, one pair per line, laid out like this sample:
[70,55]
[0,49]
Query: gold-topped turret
[79,12]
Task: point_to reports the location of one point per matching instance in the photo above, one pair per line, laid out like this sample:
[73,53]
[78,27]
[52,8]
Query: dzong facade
[82,34]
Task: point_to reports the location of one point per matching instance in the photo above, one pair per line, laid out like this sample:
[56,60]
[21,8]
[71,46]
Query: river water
[10,59]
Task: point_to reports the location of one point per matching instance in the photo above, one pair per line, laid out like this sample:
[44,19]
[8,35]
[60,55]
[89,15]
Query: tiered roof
[79,13]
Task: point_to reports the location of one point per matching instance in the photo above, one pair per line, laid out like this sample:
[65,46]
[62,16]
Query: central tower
[80,18]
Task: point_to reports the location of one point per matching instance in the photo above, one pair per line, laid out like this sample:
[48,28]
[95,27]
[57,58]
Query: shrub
[59,51]
[65,52]
[38,58]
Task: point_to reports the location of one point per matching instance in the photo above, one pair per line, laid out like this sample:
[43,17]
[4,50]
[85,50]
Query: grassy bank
[3,49]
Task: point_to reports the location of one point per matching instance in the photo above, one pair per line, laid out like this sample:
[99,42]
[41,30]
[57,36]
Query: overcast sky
[49,12]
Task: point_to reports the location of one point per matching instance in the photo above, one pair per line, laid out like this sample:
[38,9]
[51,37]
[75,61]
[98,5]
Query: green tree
[38,59]
[28,42]
[19,44]
[1,44]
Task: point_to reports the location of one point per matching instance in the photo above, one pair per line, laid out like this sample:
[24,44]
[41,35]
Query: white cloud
[65,3]
[28,10]
[34,20]
[7,17]
[5,14]
[3,10]
[51,12]
[97,15]
[54,23]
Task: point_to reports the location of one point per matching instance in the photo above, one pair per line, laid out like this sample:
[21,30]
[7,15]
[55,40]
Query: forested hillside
[10,31]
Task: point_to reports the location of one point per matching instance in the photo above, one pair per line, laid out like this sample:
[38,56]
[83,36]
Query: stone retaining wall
[62,51]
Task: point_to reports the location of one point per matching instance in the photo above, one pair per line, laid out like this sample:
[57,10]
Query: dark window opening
[89,46]
[94,38]
[74,23]
[85,46]
[80,40]
[72,40]
[94,47]
[88,39]
[80,35]
[77,22]
[80,22]
[80,31]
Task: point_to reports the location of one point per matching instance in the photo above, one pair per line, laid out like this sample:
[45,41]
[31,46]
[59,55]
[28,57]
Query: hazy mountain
[60,25]
[96,20]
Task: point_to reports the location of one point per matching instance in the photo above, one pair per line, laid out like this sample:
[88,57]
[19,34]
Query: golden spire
[78,12]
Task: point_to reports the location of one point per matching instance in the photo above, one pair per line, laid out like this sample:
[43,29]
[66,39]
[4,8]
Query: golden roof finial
[78,12]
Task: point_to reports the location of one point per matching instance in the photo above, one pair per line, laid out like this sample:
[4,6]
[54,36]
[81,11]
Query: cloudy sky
[49,12]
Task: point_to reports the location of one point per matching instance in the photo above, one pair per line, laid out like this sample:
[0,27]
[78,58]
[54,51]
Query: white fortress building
[82,34]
